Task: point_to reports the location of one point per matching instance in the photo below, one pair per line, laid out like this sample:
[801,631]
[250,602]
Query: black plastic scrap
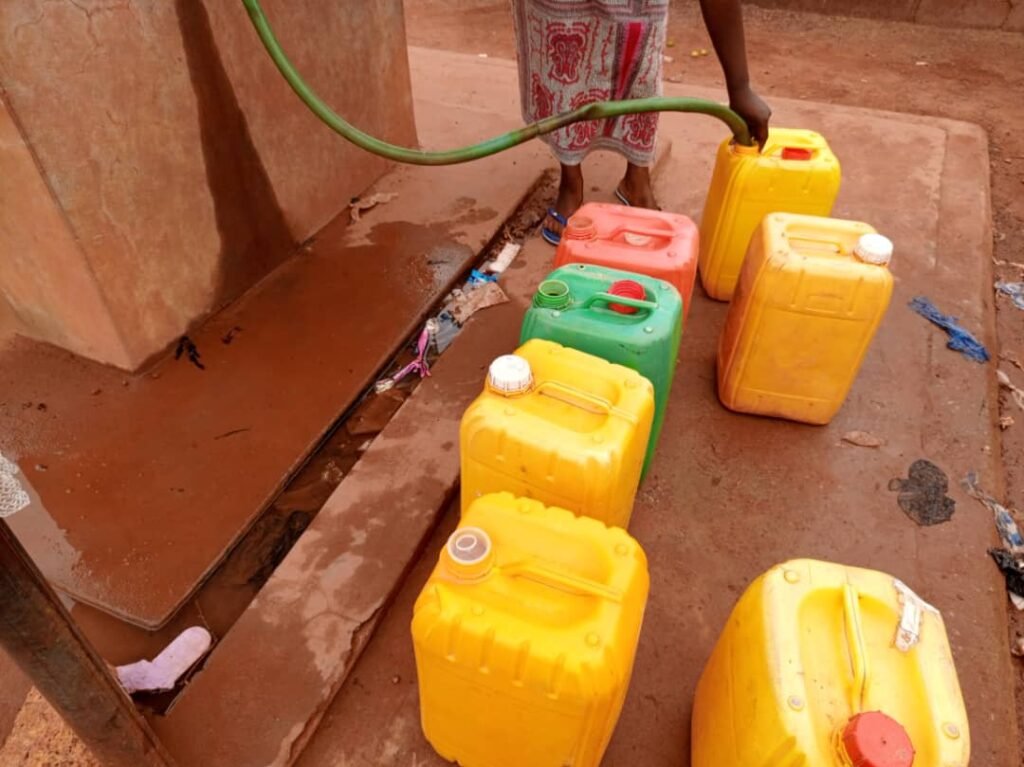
[1012,568]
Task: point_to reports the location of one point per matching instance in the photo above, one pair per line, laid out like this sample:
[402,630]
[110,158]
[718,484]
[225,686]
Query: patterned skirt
[575,52]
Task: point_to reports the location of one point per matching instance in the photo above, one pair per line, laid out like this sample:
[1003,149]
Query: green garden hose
[596,111]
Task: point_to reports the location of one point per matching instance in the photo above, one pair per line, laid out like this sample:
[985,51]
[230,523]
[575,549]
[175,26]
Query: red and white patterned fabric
[575,52]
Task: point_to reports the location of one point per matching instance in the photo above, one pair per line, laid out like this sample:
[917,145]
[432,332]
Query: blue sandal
[622,198]
[550,237]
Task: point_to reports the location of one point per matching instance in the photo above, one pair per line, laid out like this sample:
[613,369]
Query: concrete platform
[728,496]
[142,484]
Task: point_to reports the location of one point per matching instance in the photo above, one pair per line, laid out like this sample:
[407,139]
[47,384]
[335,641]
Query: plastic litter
[922,496]
[1005,523]
[471,301]
[960,339]
[504,258]
[163,672]
[1012,567]
[1015,290]
[419,365]
[447,329]
[360,205]
[13,497]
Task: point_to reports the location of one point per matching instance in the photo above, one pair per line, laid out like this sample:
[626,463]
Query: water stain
[253,231]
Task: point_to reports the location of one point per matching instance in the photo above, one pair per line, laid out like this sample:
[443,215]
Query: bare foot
[570,196]
[636,187]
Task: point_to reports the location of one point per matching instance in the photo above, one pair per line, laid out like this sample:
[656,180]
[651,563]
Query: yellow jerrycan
[560,426]
[809,301]
[830,666]
[525,636]
[796,173]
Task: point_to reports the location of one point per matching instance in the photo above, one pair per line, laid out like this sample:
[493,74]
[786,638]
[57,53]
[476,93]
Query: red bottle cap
[796,153]
[876,740]
[580,228]
[626,289]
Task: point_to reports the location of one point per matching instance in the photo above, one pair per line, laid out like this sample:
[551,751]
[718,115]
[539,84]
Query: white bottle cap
[469,545]
[874,249]
[510,374]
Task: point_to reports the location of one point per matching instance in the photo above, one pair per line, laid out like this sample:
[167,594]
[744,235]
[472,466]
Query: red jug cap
[580,228]
[626,289]
[874,739]
[796,153]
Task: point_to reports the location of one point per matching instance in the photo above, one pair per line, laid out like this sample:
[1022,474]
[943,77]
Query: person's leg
[636,187]
[570,196]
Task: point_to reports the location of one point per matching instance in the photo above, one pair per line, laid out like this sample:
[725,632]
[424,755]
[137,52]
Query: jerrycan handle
[581,399]
[855,641]
[567,582]
[608,298]
[660,234]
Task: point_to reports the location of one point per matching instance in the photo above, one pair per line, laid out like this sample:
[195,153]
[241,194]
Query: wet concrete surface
[729,496]
[142,484]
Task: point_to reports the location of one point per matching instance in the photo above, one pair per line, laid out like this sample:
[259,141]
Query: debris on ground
[1012,358]
[697,53]
[174,661]
[1017,646]
[13,497]
[1005,523]
[1013,290]
[1015,391]
[1012,567]
[420,365]
[960,339]
[1006,421]
[360,205]
[504,259]
[863,439]
[228,337]
[468,302]
[187,348]
[446,330]
[922,496]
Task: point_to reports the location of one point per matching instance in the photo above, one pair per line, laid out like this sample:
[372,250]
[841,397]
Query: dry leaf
[1005,422]
[363,204]
[862,439]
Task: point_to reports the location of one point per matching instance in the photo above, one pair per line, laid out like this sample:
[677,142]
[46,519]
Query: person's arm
[724,20]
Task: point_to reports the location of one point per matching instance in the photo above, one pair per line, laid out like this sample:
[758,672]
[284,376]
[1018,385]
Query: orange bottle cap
[874,739]
[580,228]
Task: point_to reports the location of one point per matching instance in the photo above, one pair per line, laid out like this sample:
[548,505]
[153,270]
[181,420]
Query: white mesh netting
[13,497]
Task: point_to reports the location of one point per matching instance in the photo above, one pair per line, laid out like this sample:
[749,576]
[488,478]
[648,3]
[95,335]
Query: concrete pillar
[155,165]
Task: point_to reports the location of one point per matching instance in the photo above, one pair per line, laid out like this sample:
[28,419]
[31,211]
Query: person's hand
[754,110]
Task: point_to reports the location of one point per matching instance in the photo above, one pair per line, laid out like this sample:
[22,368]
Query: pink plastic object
[163,672]
[651,242]
[418,365]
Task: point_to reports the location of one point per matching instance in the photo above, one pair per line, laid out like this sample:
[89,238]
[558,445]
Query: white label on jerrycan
[908,632]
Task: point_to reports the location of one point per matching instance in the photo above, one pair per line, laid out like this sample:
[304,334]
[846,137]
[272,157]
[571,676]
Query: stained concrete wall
[155,165]
[985,14]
